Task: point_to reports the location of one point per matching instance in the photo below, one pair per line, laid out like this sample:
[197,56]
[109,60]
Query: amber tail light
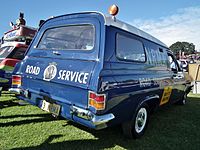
[16,80]
[97,101]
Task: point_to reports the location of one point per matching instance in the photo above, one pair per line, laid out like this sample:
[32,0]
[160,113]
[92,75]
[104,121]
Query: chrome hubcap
[184,101]
[141,120]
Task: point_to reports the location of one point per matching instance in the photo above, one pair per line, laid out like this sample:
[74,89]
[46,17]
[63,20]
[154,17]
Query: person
[21,21]
[179,62]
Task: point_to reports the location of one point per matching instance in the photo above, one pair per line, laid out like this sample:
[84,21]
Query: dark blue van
[99,71]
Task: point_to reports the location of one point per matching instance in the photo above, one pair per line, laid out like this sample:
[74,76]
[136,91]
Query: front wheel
[136,127]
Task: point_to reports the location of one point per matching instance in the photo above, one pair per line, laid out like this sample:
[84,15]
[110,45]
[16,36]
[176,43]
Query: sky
[168,20]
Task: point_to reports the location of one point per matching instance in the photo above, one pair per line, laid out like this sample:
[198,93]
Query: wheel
[183,100]
[136,127]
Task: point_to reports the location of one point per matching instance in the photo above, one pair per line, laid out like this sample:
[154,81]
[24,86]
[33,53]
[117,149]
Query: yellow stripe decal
[166,95]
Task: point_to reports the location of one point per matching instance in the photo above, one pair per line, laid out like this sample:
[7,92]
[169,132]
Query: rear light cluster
[8,63]
[16,80]
[97,100]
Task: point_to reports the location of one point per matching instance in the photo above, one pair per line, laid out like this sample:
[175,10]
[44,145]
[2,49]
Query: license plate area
[50,107]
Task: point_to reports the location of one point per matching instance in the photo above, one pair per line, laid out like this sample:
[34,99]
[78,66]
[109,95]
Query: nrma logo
[50,72]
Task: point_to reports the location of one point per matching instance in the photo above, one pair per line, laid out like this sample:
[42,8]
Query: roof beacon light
[113,10]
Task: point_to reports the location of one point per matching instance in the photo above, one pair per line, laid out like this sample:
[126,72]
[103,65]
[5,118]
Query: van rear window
[129,49]
[73,37]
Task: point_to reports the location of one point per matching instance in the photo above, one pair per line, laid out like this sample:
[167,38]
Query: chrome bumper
[15,90]
[74,110]
[88,115]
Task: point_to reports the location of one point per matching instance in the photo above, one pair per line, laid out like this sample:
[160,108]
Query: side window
[129,49]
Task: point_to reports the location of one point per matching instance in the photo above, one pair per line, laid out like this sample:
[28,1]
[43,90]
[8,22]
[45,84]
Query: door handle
[56,53]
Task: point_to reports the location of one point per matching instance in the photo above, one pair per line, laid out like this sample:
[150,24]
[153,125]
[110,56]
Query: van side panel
[130,83]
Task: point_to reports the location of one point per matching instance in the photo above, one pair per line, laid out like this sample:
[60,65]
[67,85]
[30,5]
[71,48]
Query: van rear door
[62,58]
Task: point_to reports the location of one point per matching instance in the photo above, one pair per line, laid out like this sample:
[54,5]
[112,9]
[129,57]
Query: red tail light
[16,80]
[97,100]
[8,63]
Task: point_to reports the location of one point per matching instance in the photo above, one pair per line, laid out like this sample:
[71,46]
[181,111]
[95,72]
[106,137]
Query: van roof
[109,21]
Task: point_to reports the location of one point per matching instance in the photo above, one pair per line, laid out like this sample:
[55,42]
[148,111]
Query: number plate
[52,108]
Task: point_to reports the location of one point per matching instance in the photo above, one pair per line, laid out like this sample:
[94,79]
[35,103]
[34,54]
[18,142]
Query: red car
[10,54]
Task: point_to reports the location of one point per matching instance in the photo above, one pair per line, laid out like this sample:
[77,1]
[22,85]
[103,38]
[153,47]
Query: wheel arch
[152,101]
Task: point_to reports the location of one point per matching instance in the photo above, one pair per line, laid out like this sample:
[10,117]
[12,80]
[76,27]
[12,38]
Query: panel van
[98,71]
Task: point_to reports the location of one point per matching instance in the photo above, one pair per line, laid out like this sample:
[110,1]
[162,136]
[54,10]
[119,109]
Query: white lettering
[32,70]
[67,75]
[60,74]
[27,68]
[63,75]
[73,76]
[76,76]
[85,78]
[79,78]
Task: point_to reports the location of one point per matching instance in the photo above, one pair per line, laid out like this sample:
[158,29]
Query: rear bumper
[71,112]
[88,115]
[15,90]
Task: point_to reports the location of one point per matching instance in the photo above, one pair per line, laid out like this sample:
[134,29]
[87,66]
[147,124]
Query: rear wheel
[136,127]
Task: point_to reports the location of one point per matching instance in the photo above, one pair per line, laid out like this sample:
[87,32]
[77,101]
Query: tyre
[136,127]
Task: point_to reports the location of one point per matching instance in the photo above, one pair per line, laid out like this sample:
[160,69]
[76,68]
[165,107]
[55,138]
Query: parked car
[2,80]
[98,71]
[14,44]
[10,54]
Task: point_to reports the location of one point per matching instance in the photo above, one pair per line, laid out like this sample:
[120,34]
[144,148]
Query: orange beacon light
[113,10]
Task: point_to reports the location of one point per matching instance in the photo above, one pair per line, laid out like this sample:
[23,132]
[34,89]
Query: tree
[187,48]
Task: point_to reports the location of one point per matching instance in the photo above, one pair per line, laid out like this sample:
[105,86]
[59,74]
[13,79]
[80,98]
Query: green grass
[27,127]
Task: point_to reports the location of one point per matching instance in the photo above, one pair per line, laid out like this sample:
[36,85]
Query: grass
[27,127]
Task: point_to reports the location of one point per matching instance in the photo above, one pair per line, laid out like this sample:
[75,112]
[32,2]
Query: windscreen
[73,37]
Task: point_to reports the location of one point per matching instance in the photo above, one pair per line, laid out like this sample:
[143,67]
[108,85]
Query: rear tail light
[97,100]
[8,64]
[16,80]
